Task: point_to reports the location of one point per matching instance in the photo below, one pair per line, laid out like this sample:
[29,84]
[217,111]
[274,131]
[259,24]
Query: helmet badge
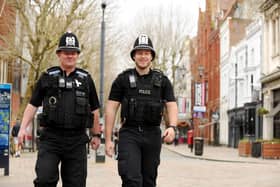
[143,39]
[70,41]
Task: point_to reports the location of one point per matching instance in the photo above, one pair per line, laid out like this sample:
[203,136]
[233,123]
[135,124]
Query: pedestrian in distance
[15,131]
[142,93]
[70,106]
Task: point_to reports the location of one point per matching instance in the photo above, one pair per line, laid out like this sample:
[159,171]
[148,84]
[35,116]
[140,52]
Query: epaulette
[54,71]
[81,73]
[130,72]
[157,77]
[157,70]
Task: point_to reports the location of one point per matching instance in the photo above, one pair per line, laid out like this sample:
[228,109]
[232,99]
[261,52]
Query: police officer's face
[68,59]
[143,58]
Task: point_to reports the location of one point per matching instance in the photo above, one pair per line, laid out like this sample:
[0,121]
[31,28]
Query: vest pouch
[52,116]
[131,108]
[50,111]
[81,105]
[124,109]
[153,113]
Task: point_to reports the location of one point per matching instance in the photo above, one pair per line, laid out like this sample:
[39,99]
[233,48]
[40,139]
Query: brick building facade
[206,80]
[10,70]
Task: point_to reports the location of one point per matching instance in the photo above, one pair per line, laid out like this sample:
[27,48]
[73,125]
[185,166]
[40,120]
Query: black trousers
[60,148]
[139,156]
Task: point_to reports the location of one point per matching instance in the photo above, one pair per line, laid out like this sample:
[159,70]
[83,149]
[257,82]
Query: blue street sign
[5,119]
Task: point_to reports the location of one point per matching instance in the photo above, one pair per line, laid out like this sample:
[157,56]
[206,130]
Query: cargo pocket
[81,105]
[122,163]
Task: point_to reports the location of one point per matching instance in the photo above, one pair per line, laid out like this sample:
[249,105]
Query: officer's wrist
[97,135]
[174,127]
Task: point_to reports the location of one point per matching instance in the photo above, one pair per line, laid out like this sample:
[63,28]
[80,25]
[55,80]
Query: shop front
[271,102]
[244,122]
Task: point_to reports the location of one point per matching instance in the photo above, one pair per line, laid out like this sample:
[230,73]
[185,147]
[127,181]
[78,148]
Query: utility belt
[137,124]
[141,127]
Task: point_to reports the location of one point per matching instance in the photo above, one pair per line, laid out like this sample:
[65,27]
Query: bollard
[198,146]
[190,139]
[100,152]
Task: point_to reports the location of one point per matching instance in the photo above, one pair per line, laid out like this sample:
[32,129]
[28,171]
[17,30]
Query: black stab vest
[142,103]
[66,103]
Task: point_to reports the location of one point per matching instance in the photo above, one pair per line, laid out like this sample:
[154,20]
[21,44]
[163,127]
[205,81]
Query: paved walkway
[218,153]
[22,169]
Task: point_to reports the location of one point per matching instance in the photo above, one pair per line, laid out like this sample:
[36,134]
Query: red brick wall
[7,29]
[208,53]
[7,19]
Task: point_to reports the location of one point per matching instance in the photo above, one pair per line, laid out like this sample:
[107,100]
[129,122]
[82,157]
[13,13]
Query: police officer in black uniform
[142,93]
[70,106]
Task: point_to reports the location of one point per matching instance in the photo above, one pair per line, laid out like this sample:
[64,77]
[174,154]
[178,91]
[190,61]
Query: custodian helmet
[68,42]
[143,42]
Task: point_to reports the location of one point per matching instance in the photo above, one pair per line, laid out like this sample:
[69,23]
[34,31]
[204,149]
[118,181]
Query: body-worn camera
[65,83]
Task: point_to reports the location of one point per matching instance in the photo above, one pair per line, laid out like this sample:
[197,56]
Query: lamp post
[100,152]
[103,6]
[202,101]
[235,132]
[236,105]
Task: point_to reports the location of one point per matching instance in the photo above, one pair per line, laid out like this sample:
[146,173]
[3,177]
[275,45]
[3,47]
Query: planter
[262,111]
[244,148]
[271,150]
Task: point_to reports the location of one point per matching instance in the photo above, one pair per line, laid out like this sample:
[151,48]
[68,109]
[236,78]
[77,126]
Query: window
[252,56]
[275,37]
[276,118]
[250,118]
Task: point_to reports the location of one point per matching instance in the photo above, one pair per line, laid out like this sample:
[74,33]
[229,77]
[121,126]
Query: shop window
[276,120]
[250,121]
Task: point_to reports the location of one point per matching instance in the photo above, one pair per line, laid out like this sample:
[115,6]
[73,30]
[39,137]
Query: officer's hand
[21,134]
[169,135]
[109,146]
[95,142]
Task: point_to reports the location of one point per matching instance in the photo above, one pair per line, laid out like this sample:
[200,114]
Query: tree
[39,26]
[169,27]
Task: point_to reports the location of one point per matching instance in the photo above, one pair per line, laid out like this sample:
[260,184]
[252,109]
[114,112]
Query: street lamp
[236,105]
[103,6]
[235,127]
[100,152]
